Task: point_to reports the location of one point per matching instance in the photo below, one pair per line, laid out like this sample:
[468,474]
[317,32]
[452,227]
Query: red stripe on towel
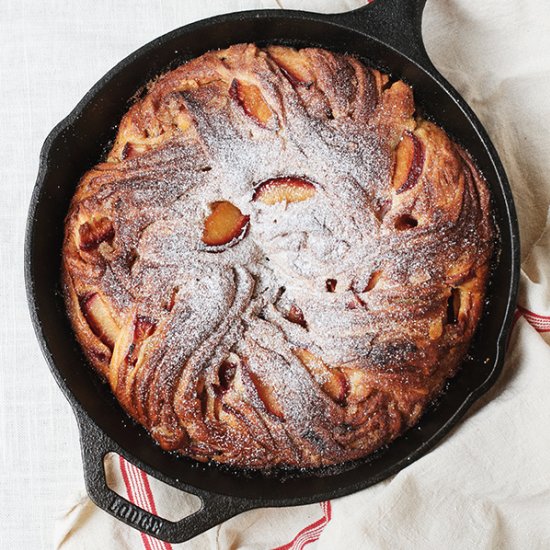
[156,544]
[541,323]
[131,497]
[148,492]
[139,493]
[310,533]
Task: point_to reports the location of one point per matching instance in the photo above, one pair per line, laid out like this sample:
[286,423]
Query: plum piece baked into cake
[279,263]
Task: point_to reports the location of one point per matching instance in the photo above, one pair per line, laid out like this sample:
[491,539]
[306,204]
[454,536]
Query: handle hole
[155,496]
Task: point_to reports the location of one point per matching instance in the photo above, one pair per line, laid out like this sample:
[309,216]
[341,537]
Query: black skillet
[387,35]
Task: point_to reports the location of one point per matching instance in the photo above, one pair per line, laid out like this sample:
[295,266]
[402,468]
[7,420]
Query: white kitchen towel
[487,485]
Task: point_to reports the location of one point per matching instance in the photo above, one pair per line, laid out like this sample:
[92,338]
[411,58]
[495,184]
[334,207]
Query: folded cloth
[487,485]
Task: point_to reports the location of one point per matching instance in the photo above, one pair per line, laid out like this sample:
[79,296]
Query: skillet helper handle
[397,23]
[214,508]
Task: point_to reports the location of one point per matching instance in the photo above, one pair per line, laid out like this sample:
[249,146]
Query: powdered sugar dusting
[318,255]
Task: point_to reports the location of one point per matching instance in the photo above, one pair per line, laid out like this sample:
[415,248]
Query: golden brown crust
[278,264]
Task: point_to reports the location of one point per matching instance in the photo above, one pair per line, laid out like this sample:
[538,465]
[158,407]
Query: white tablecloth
[485,486]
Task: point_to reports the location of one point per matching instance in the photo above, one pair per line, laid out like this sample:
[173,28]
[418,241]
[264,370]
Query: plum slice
[265,393]
[332,381]
[369,284]
[226,374]
[99,318]
[95,231]
[287,189]
[330,285]
[225,225]
[144,327]
[293,65]
[409,162]
[296,315]
[250,98]
[129,151]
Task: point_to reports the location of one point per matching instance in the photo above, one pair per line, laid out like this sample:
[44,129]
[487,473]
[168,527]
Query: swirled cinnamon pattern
[279,263]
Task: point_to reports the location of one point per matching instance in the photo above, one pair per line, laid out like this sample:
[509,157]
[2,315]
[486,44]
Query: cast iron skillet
[387,35]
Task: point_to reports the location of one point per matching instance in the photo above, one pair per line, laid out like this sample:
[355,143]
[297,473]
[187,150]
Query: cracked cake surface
[278,263]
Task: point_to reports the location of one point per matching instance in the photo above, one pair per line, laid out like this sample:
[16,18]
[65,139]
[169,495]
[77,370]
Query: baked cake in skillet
[279,264]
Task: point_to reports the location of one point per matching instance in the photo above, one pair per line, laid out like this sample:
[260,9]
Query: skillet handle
[397,23]
[214,508]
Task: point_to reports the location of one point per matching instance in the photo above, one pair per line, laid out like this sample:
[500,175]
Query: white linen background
[485,486]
